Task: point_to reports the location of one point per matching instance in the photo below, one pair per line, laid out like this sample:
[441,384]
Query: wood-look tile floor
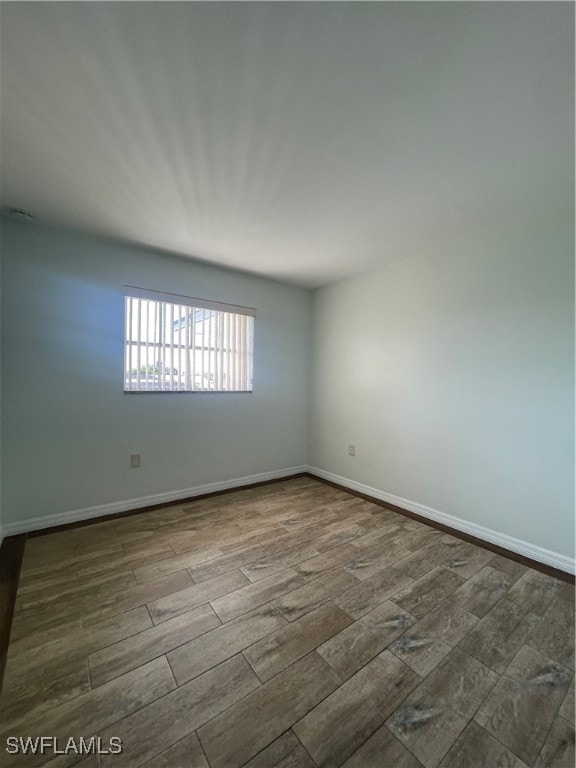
[287,625]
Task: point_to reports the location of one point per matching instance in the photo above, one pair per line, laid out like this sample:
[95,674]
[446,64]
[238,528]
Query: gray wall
[453,374]
[68,429]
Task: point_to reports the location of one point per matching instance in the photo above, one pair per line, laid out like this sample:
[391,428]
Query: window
[180,344]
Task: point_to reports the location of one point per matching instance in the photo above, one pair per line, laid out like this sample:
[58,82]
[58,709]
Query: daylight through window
[180,344]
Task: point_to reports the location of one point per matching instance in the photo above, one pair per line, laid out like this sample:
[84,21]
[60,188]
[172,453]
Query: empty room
[287,385]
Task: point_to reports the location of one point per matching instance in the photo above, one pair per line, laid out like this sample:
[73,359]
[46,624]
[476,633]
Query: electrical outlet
[135,459]
[351,450]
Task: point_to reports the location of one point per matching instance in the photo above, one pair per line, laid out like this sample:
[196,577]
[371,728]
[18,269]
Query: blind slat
[138,349]
[171,325]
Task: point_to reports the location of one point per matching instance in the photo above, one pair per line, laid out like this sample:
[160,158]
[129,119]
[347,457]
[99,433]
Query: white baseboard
[87,513]
[518,546]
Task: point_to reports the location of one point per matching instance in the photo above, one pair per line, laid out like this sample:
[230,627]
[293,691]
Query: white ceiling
[302,141]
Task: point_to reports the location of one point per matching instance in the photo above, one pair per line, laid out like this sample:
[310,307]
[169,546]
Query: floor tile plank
[247,598]
[514,569]
[196,656]
[236,543]
[40,661]
[498,637]
[425,559]
[425,644]
[175,563]
[372,560]
[234,737]
[274,653]
[315,593]
[180,713]
[74,594]
[567,708]
[468,559]
[558,749]
[35,639]
[225,563]
[85,715]
[481,593]
[165,608]
[432,717]
[316,566]
[534,591]
[26,700]
[184,754]
[474,745]
[428,591]
[145,559]
[265,566]
[524,703]
[355,646]
[553,635]
[285,752]
[121,657]
[362,598]
[340,724]
[383,749]
[137,596]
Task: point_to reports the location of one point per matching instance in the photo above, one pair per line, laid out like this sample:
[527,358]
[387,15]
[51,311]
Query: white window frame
[215,356]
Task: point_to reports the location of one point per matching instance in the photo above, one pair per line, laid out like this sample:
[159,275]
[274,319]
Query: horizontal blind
[179,344]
